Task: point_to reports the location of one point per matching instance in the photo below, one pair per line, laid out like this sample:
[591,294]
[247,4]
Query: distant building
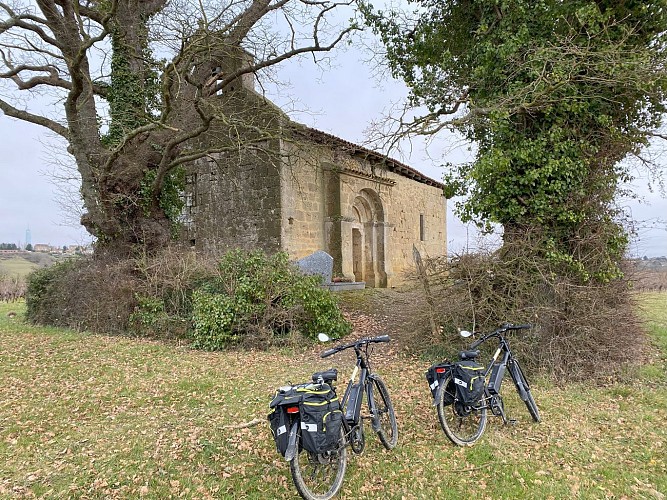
[43,248]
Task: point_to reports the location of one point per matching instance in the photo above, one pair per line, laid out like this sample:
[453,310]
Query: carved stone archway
[368,237]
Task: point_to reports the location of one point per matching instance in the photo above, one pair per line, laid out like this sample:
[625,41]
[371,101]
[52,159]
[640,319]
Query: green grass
[89,416]
[16,266]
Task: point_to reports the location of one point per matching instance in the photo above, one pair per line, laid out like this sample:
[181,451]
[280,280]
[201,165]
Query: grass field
[16,266]
[88,416]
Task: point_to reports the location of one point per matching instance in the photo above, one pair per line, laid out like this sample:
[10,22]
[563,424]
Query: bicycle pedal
[512,421]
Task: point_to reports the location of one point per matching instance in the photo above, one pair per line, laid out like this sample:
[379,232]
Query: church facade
[287,187]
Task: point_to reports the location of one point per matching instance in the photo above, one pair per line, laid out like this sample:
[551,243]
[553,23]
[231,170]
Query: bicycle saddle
[463,355]
[327,375]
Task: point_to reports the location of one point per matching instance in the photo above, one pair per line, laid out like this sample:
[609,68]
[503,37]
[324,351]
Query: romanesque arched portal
[368,239]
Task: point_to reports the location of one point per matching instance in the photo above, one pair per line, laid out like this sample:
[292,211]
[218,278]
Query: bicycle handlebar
[357,344]
[503,328]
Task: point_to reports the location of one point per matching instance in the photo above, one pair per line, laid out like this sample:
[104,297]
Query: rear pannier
[435,376]
[319,414]
[469,379]
[286,399]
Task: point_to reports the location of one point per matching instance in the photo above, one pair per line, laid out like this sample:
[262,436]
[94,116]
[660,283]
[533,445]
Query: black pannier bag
[278,418]
[319,413]
[469,379]
[435,376]
[321,419]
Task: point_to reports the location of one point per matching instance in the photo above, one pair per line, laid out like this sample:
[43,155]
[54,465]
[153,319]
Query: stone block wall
[232,196]
[302,201]
[322,207]
[235,204]
[407,202]
[271,188]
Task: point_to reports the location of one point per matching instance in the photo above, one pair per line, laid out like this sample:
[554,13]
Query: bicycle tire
[462,427]
[387,429]
[520,380]
[319,476]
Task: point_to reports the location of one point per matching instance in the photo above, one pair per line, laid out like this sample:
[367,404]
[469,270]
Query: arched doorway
[368,239]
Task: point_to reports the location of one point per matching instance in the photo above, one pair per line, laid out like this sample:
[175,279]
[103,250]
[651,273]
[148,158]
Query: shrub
[255,298]
[582,330]
[247,298]
[83,294]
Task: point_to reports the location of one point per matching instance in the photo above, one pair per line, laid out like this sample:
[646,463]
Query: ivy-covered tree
[554,95]
[131,88]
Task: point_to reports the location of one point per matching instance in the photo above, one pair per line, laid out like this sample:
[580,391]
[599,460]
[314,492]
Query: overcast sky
[341,100]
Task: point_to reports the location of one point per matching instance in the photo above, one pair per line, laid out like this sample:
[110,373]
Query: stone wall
[274,185]
[233,195]
[332,197]
[302,201]
[408,201]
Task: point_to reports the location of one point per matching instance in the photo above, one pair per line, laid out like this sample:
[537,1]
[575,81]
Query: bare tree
[132,87]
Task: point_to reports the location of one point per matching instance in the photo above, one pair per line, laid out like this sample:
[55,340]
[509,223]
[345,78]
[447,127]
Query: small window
[422,229]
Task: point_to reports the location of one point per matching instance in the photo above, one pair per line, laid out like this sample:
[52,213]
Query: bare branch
[282,57]
[10,110]
[19,21]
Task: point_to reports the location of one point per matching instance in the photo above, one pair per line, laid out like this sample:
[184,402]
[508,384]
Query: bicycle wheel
[462,425]
[385,423]
[319,476]
[520,383]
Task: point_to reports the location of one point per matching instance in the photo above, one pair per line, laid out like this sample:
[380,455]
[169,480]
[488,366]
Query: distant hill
[22,263]
[653,263]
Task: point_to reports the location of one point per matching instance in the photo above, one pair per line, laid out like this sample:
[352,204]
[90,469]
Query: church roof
[354,149]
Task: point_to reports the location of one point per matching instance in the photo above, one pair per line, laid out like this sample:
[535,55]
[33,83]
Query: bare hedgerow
[582,331]
[238,299]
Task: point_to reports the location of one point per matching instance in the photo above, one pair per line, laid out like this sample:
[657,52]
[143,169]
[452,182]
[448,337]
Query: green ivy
[132,96]
[557,95]
[170,199]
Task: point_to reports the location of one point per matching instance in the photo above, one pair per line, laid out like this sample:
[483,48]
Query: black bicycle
[462,420]
[319,476]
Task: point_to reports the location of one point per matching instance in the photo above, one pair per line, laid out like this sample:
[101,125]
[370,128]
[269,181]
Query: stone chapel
[273,184]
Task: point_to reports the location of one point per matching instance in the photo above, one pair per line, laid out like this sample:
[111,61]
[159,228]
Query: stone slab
[318,263]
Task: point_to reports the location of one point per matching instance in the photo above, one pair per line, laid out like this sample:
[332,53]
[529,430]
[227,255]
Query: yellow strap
[308,391]
[322,403]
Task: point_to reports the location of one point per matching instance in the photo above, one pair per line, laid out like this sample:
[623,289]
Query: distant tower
[28,238]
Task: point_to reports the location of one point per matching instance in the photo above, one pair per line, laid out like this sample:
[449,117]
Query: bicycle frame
[354,393]
[357,390]
[352,417]
[495,371]
[501,361]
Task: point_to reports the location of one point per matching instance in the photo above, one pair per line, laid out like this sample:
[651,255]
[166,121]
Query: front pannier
[469,379]
[319,414]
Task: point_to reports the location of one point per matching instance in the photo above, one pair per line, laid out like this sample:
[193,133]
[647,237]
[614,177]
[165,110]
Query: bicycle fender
[292,450]
[436,397]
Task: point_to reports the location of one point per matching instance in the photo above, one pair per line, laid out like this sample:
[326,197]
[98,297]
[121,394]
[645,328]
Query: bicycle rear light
[293,409]
[440,370]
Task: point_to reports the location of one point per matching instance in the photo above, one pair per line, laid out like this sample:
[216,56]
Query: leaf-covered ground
[88,416]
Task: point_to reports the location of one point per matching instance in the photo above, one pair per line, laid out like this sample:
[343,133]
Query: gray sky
[341,100]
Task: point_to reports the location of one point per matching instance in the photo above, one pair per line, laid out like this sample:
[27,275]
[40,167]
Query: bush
[255,298]
[582,330]
[83,294]
[247,298]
